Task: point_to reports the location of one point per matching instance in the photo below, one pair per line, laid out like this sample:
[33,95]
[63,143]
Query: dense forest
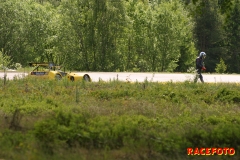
[122,35]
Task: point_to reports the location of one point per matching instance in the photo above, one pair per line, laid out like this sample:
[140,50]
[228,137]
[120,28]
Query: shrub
[5,60]
[18,66]
[227,95]
[221,67]
[191,70]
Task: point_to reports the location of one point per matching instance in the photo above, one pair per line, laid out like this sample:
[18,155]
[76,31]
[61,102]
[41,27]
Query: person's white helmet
[202,55]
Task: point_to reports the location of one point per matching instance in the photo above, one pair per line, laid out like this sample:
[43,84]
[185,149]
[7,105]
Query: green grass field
[116,120]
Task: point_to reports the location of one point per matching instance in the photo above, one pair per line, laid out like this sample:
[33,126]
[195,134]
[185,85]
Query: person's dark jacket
[199,63]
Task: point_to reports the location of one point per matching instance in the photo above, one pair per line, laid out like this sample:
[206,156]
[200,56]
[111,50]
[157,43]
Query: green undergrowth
[116,120]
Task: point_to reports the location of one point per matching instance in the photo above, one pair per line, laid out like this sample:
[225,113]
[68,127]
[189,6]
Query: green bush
[113,132]
[221,67]
[228,95]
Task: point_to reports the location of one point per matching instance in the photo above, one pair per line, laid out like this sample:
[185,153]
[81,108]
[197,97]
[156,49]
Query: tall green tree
[172,34]
[24,30]
[41,32]
[155,26]
[139,30]
[96,33]
[11,27]
[209,30]
[232,27]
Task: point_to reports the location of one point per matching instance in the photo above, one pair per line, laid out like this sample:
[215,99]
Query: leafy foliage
[133,35]
[99,35]
[232,26]
[5,61]
[221,67]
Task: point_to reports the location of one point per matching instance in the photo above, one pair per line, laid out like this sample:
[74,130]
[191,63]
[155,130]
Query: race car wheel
[86,77]
[58,77]
[72,79]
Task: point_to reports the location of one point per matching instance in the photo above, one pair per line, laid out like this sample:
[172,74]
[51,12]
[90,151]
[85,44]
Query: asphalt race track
[140,77]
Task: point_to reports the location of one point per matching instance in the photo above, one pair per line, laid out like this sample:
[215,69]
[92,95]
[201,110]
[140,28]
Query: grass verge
[116,120]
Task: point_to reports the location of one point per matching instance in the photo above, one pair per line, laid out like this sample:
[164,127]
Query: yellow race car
[46,71]
[51,71]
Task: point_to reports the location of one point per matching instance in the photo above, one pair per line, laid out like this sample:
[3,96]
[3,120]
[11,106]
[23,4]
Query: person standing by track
[200,66]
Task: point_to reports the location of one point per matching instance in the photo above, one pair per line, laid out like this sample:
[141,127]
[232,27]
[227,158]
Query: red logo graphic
[211,151]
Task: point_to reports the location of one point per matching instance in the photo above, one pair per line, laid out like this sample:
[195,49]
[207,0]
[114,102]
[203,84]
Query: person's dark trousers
[199,72]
